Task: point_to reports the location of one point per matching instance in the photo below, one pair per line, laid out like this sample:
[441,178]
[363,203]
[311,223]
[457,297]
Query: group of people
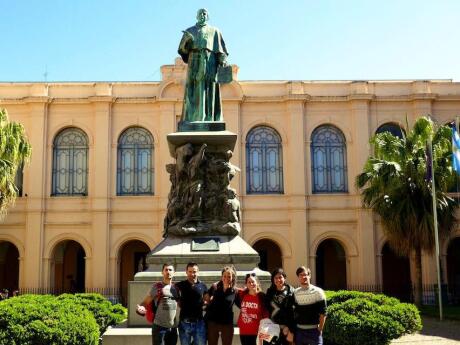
[207,313]
[5,294]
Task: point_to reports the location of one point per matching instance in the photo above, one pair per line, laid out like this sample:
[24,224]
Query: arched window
[393,128]
[264,161]
[134,164]
[329,160]
[70,163]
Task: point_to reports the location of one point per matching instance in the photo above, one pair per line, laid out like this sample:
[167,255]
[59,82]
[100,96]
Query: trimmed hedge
[105,313]
[64,320]
[368,319]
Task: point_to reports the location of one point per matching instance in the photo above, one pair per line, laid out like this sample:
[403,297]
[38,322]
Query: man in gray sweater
[309,310]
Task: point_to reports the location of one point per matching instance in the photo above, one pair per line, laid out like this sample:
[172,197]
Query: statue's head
[202,16]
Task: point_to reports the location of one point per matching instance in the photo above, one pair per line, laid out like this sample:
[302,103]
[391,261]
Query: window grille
[134,162]
[264,161]
[70,163]
[329,160]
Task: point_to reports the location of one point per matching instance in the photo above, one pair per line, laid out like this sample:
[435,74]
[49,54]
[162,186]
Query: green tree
[394,184]
[14,151]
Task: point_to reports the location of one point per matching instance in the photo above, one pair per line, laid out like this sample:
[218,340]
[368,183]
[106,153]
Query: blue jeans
[308,337]
[193,329]
[163,336]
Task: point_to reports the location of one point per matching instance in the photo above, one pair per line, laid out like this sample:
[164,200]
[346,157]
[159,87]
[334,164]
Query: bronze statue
[203,49]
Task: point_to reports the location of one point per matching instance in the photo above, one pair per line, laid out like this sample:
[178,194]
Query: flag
[455,150]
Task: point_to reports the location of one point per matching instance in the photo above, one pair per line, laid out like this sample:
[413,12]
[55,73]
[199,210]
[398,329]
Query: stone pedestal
[202,224]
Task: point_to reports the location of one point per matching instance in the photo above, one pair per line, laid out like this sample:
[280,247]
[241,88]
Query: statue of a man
[203,49]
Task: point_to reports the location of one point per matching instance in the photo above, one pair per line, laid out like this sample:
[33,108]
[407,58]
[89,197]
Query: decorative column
[100,179]
[295,178]
[364,272]
[37,132]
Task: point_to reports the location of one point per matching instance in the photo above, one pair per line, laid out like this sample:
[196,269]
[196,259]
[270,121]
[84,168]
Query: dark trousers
[226,333]
[248,339]
[163,336]
[308,337]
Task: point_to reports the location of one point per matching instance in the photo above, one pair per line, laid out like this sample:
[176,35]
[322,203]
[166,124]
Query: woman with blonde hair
[219,312]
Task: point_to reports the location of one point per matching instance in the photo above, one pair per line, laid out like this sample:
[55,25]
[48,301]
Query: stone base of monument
[211,253]
[141,336]
[200,126]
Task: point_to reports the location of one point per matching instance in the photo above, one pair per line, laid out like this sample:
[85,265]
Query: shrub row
[66,319]
[353,318]
[368,319]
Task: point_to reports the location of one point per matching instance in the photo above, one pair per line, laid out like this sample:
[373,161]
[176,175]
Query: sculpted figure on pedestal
[201,200]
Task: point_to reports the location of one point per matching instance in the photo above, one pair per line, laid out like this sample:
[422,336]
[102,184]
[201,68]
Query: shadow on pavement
[445,329]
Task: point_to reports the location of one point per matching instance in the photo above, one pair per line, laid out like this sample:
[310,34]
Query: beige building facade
[92,207]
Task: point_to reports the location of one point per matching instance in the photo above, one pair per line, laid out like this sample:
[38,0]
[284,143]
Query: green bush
[105,313]
[66,319]
[42,319]
[368,319]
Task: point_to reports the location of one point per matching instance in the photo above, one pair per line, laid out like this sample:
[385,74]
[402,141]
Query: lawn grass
[450,312]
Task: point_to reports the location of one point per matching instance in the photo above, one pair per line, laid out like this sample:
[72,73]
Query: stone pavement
[434,332]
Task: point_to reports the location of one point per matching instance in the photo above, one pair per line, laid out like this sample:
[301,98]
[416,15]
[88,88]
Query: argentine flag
[455,150]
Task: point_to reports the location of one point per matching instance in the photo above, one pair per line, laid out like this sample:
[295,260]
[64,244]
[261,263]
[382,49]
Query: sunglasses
[252,274]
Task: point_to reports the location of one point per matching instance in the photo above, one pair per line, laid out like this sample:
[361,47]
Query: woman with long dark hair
[276,301]
[251,302]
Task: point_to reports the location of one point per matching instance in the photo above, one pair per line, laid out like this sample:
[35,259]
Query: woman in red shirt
[251,302]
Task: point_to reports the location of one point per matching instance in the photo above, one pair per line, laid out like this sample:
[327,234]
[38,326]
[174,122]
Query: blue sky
[102,40]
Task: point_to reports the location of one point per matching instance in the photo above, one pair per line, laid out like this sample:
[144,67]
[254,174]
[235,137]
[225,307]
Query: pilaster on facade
[421,107]
[294,180]
[359,152]
[37,131]
[100,191]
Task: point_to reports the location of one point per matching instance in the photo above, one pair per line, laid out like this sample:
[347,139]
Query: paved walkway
[433,332]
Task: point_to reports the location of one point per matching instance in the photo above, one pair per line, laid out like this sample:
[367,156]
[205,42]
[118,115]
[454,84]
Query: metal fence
[450,294]
[112,294]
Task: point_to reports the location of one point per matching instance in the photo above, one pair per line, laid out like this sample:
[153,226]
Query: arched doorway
[453,269]
[69,267]
[131,260]
[9,266]
[395,274]
[270,255]
[331,265]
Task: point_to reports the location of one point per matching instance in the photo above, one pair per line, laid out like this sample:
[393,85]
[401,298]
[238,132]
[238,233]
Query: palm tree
[14,150]
[395,185]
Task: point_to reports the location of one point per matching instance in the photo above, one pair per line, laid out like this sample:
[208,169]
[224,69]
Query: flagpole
[457,198]
[436,236]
